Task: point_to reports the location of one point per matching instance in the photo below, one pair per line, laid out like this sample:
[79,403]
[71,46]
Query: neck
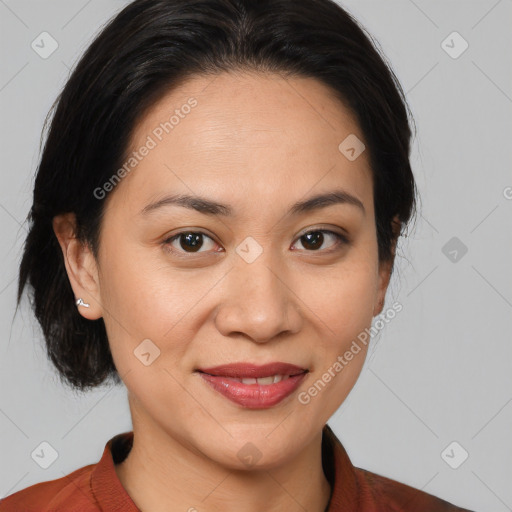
[161,474]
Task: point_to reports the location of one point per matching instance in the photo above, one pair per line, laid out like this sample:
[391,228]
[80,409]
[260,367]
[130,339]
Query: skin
[257,143]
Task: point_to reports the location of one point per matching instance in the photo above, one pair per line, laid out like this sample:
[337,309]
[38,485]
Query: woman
[214,224]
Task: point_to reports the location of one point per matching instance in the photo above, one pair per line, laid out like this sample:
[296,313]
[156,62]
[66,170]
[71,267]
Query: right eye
[187,242]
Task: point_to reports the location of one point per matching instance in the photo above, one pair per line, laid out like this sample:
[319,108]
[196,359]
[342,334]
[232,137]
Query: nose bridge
[259,303]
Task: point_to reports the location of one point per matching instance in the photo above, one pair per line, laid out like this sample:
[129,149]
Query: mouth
[253,386]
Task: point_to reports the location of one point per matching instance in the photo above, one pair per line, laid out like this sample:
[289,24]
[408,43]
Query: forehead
[243,137]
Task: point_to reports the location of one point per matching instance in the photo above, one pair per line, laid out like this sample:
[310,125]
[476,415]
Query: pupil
[312,240]
[194,239]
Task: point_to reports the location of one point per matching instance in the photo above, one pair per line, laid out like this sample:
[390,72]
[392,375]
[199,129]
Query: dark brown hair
[145,51]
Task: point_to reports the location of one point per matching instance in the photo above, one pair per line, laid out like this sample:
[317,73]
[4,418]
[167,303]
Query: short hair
[145,51]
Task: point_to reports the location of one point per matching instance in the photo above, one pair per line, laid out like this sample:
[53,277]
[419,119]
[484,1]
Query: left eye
[313,240]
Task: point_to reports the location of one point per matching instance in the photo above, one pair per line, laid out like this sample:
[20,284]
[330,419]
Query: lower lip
[253,396]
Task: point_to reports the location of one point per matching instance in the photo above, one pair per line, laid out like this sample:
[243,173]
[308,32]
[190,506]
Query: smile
[254,387]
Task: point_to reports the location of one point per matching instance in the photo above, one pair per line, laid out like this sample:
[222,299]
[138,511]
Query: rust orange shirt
[96,487]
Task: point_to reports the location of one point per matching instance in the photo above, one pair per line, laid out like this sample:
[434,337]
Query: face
[252,281]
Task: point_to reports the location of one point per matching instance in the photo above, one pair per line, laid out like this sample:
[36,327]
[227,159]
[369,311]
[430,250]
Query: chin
[254,449]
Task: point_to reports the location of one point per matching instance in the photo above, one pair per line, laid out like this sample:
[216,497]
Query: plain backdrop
[439,373]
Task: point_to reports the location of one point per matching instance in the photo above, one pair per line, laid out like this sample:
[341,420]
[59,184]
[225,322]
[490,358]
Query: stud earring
[80,302]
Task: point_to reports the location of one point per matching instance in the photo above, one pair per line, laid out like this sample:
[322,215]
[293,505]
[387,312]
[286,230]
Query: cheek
[146,298]
[137,286]
[141,299]
[341,299]
[345,311]
[352,310]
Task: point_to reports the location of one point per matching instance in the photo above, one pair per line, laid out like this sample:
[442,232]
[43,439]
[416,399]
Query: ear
[80,266]
[385,269]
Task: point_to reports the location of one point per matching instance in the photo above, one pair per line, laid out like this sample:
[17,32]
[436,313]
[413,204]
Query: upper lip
[248,370]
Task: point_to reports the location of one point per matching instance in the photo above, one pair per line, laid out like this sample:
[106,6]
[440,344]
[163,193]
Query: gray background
[439,372]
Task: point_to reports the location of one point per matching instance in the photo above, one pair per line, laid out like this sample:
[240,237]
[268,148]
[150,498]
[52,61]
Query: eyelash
[341,241]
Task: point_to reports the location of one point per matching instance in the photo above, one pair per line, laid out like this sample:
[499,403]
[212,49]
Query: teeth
[264,381]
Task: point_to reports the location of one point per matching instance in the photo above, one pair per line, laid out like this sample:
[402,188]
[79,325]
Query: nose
[258,303]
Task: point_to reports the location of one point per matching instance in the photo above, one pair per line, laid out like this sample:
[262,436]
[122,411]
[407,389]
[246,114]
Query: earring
[80,302]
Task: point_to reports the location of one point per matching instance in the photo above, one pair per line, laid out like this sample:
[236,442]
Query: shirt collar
[111,495]
[105,484]
[340,474]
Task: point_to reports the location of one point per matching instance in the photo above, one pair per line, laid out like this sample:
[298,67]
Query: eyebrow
[209,207]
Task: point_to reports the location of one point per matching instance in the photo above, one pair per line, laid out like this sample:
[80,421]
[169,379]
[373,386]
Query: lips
[252,386]
[247,370]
